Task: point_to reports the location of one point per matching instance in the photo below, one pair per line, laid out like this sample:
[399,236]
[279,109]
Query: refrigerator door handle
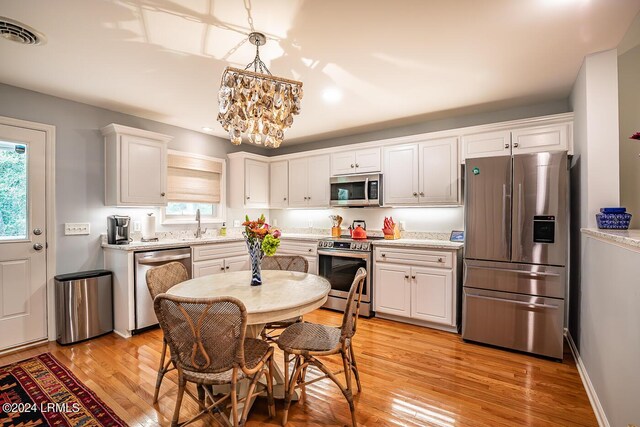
[513,270]
[510,301]
[504,215]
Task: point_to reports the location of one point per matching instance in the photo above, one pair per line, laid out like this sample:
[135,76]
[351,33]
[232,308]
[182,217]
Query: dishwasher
[145,316]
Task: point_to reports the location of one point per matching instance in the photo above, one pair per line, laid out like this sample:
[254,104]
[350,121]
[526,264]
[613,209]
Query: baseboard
[123,335]
[19,348]
[416,322]
[586,381]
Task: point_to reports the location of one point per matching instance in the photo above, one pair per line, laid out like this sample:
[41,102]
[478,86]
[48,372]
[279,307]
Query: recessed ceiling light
[332,95]
[207,129]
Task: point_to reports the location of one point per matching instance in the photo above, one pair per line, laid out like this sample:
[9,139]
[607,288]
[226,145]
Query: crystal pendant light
[256,103]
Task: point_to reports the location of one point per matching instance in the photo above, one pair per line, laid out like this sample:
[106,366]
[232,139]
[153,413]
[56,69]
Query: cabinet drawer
[297,247]
[205,268]
[427,258]
[218,250]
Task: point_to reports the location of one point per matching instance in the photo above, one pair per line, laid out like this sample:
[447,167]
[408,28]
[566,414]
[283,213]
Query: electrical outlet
[310,223]
[403,225]
[137,226]
[76,228]
[275,222]
[237,223]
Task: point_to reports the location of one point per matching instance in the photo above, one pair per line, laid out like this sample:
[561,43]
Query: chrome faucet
[199,231]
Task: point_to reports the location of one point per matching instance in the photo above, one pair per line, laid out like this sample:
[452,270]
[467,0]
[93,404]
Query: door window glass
[13,191]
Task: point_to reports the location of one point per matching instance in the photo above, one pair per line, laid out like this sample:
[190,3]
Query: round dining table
[282,295]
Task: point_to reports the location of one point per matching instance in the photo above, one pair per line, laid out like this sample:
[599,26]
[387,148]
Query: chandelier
[256,103]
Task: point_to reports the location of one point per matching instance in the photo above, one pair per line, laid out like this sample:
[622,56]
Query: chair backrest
[285,262]
[161,279]
[204,334]
[352,308]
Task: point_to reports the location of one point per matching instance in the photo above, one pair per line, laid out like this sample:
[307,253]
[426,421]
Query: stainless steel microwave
[356,190]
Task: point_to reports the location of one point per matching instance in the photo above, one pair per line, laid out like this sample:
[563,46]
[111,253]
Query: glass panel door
[13,191]
[340,272]
[348,191]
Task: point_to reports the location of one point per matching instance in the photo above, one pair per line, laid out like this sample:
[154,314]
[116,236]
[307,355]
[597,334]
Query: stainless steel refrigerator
[516,225]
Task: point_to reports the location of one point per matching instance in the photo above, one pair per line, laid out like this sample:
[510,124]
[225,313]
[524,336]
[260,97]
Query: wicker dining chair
[208,343]
[288,263]
[307,341]
[160,280]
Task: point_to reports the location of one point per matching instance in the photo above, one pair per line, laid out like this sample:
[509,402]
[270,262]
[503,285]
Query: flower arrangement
[635,136]
[262,240]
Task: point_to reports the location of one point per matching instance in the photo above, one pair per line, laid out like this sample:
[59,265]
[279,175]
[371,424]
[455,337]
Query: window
[13,191]
[194,182]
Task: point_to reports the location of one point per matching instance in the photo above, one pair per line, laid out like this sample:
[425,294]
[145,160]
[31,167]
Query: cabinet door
[256,183]
[368,160]
[319,186]
[401,175]
[279,184]
[298,179]
[205,268]
[313,265]
[540,138]
[343,163]
[439,171]
[488,144]
[392,290]
[143,165]
[432,295]
[237,263]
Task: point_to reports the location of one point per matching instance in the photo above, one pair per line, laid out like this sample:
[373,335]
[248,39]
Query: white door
[319,186]
[392,289]
[279,184]
[368,160]
[23,252]
[401,175]
[298,179]
[432,295]
[540,138]
[439,171]
[144,171]
[256,181]
[343,163]
[206,268]
[237,263]
[487,144]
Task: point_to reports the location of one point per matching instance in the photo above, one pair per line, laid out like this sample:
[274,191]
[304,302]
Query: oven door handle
[361,255]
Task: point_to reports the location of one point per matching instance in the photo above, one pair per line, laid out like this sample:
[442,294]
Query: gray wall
[80,164]
[629,107]
[454,121]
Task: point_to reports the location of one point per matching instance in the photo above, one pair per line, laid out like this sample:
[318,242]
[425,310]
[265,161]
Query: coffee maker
[118,229]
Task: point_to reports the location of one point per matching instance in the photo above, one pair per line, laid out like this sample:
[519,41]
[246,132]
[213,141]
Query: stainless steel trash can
[84,305]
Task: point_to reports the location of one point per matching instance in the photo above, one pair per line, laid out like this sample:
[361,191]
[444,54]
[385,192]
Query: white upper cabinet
[309,182]
[487,144]
[279,184]
[401,175]
[135,167]
[358,161]
[438,168]
[248,181]
[256,183]
[422,174]
[540,138]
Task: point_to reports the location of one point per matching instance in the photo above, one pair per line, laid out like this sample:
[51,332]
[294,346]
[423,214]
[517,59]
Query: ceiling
[362,62]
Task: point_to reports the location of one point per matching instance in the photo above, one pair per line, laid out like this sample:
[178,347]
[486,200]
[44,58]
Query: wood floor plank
[411,376]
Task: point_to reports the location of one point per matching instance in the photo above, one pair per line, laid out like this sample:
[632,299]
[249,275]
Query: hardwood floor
[411,376]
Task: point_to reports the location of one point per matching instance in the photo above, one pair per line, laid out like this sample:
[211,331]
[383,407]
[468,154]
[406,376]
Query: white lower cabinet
[418,285]
[219,258]
[308,249]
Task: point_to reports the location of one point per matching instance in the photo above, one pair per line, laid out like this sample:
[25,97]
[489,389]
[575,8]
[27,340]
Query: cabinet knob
[162,194]
[222,268]
[352,165]
[227,267]
[439,259]
[357,165]
[309,198]
[422,193]
[515,145]
[383,255]
[413,277]
[285,198]
[406,277]
[506,145]
[310,250]
[248,197]
[415,194]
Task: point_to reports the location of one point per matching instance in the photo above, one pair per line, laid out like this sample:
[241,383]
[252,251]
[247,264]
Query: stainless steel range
[338,260]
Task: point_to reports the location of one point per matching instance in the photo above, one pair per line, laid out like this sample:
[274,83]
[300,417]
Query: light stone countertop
[172,243]
[630,238]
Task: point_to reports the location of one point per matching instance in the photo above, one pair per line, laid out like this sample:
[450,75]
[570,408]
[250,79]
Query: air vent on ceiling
[18,32]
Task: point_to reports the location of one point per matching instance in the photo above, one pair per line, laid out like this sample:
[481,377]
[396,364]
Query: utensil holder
[336,231]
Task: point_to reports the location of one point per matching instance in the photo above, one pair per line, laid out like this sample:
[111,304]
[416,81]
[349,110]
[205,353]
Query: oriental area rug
[41,391]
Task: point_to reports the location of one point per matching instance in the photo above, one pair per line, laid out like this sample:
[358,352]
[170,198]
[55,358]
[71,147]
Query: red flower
[635,136]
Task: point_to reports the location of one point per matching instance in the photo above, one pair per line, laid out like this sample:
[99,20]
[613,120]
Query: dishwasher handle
[154,259]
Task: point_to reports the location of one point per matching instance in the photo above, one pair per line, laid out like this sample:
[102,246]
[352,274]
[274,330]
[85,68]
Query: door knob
[37,231]
[38,246]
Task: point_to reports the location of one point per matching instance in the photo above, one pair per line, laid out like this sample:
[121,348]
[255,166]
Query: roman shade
[193,179]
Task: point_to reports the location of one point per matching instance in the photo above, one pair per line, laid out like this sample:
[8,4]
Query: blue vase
[256,255]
